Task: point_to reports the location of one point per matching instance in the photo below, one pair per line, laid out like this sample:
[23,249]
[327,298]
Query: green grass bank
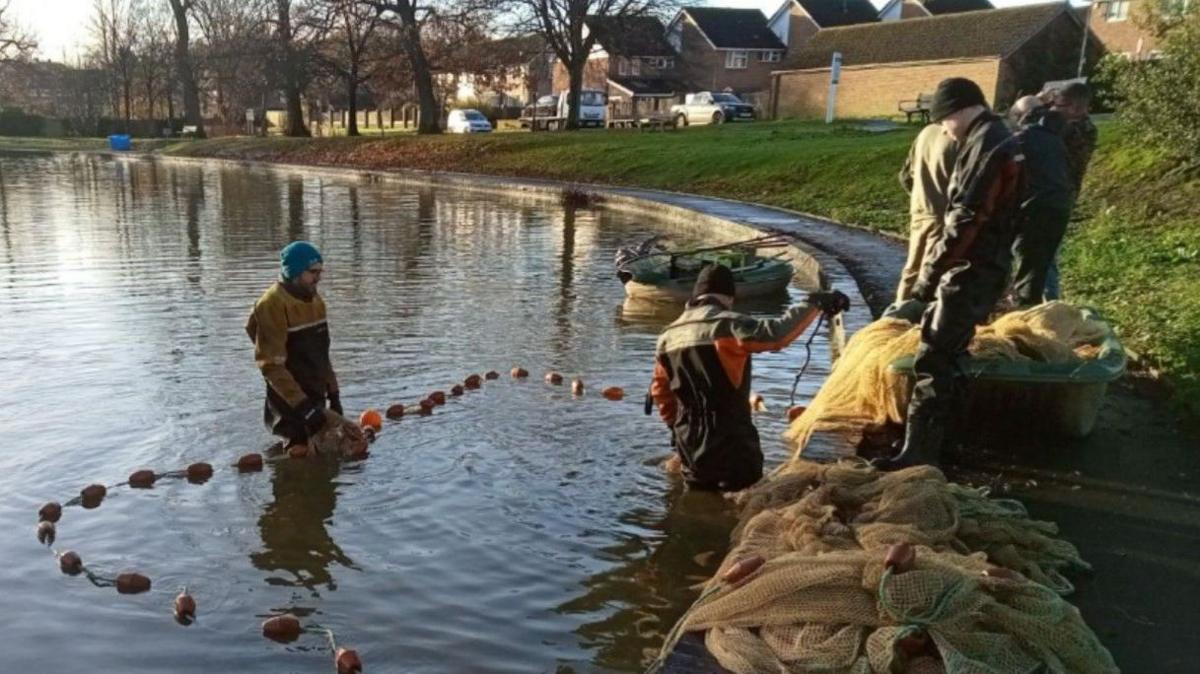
[1133,252]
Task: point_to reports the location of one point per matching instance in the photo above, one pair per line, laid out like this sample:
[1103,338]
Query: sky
[61,26]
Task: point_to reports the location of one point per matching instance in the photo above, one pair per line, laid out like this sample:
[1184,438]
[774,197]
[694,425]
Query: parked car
[550,112]
[467,121]
[707,107]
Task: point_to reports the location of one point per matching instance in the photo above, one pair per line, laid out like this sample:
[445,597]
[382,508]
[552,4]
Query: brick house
[797,21]
[725,49]
[896,10]
[632,62]
[509,73]
[1114,23]
[1008,52]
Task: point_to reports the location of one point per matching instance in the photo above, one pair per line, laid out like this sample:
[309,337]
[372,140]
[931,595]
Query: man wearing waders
[291,347]
[1046,199]
[969,267]
[702,378]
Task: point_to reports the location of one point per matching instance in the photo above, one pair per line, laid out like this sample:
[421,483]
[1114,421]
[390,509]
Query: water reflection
[297,548]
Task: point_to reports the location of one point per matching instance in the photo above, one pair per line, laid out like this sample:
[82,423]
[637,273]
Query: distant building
[509,73]
[1114,23]
[896,10]
[796,21]
[632,62]
[1008,52]
[724,49]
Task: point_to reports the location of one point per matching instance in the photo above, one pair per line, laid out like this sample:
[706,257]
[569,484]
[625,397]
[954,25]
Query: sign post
[835,74]
[250,121]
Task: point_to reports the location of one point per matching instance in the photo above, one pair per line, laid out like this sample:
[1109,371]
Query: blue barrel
[120,142]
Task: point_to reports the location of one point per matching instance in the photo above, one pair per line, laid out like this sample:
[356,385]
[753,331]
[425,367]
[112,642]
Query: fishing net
[983,594]
[863,393]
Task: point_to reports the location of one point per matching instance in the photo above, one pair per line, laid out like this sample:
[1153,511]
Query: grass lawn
[1134,252]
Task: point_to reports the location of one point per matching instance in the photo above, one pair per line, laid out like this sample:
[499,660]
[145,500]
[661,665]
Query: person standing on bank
[291,347]
[1080,137]
[968,269]
[702,378]
[926,178]
[1046,198]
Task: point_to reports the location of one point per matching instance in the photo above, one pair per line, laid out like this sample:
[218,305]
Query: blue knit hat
[296,258]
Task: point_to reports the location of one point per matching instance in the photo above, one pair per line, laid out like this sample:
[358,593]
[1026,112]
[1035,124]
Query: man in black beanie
[967,271]
[702,378]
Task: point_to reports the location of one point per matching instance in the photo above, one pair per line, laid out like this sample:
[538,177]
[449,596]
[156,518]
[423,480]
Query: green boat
[652,273]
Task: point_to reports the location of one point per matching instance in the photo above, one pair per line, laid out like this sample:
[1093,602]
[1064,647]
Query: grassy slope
[1135,254]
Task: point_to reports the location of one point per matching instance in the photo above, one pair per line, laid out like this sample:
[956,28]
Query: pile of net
[862,393]
[840,590]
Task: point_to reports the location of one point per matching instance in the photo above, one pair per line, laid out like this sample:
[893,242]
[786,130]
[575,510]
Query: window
[1117,10]
[629,66]
[769,56]
[736,60]
[663,63]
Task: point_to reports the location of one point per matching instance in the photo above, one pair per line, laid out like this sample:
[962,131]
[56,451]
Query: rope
[807,358]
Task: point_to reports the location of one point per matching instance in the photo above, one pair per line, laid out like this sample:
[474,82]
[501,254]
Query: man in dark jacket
[968,269]
[702,378]
[1046,198]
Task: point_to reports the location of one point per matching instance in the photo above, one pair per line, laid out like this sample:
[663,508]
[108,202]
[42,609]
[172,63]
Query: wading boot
[923,439]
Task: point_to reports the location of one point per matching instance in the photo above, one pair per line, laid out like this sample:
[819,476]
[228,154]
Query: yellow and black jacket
[291,348]
[702,387]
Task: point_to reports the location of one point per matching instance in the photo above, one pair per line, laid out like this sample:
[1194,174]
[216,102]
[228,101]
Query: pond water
[519,529]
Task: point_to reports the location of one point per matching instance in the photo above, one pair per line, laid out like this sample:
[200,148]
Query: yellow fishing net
[984,595]
[862,392]
[824,601]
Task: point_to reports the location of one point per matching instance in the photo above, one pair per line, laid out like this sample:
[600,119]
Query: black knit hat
[954,94]
[714,279]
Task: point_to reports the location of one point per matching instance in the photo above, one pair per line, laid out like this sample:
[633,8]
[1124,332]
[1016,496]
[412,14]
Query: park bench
[188,131]
[917,107]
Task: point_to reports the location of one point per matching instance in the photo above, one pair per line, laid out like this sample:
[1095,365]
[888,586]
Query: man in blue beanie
[291,347]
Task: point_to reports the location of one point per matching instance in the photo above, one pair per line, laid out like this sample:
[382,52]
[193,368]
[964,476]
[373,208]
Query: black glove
[335,403]
[922,292]
[831,303]
[312,416]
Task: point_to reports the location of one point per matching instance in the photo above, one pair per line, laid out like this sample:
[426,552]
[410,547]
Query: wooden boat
[652,273]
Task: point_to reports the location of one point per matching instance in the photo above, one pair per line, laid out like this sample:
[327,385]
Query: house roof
[630,35]
[939,7]
[729,28]
[832,13]
[993,33]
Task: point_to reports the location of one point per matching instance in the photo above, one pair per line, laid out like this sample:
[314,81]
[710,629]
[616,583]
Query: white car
[467,121]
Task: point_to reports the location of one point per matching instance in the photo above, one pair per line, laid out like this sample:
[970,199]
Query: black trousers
[963,300]
[1039,235]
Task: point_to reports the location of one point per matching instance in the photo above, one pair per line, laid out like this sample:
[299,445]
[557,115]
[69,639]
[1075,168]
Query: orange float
[553,378]
[577,386]
[142,479]
[347,661]
[426,408]
[199,472]
[456,390]
[614,393]
[298,451]
[70,563]
[438,397]
[132,583]
[51,512]
[491,374]
[519,373]
[371,418]
[795,412]
[46,532]
[283,628]
[92,495]
[185,607]
[250,463]
[395,412]
[474,381]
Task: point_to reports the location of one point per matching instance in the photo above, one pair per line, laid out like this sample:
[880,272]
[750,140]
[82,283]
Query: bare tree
[409,16]
[353,49]
[15,43]
[297,30]
[186,76]
[233,54]
[115,28]
[561,24]
[154,59]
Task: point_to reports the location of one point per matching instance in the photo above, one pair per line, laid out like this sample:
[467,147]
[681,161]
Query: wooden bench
[918,107]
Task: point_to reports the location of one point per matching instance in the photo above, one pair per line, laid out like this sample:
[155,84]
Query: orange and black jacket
[291,347]
[702,387]
[985,191]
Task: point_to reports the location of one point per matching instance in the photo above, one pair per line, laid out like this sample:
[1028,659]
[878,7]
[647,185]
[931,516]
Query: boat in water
[651,271]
